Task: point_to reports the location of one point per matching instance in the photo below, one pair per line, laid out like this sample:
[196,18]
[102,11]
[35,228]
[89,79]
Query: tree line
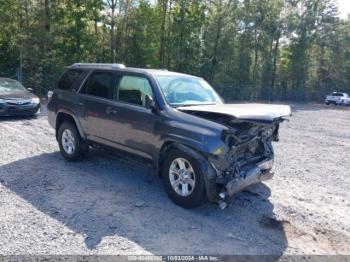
[247,49]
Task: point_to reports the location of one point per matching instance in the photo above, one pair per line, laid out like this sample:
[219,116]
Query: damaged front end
[249,155]
[245,155]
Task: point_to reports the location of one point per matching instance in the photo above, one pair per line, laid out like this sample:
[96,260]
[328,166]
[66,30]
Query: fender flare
[76,121]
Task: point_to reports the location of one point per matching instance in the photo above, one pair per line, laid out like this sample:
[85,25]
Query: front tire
[183,179]
[70,142]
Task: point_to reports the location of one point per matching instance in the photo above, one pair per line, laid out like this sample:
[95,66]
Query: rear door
[95,100]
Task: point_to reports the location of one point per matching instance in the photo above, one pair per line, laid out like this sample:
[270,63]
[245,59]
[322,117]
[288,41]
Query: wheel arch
[172,144]
[65,116]
[208,171]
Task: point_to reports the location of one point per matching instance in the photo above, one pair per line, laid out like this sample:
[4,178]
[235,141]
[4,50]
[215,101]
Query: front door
[134,122]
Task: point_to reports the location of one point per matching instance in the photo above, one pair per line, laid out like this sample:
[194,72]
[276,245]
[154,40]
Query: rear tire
[71,145]
[183,179]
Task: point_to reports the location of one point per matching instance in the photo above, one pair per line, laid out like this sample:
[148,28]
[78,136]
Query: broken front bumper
[249,176]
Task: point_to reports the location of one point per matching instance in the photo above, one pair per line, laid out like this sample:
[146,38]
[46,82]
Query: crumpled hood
[264,112]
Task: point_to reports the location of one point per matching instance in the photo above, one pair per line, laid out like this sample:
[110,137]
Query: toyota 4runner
[202,148]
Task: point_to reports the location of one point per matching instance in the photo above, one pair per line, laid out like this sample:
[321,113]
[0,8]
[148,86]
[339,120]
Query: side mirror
[30,89]
[149,102]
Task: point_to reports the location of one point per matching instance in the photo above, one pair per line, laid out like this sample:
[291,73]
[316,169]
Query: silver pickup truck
[338,98]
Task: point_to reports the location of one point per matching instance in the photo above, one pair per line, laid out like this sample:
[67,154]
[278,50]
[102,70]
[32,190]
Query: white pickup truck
[338,98]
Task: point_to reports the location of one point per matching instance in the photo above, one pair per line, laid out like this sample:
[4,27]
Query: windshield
[9,85]
[186,91]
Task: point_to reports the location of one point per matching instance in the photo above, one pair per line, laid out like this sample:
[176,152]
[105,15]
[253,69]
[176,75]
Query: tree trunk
[168,60]
[215,61]
[163,33]
[47,15]
[274,65]
[112,6]
[255,70]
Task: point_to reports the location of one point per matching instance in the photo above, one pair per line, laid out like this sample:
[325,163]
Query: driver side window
[134,90]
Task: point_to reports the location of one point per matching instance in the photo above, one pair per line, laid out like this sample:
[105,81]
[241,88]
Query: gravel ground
[109,204]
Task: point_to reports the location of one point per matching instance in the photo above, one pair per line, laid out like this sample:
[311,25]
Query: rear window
[70,80]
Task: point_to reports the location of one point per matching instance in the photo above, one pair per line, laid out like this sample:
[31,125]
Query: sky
[344,8]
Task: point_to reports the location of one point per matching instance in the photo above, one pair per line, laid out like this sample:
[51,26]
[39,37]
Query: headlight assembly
[35,100]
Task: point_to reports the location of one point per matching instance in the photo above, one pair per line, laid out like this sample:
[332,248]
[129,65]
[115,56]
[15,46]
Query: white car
[338,98]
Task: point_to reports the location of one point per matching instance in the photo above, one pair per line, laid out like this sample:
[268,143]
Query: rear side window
[134,90]
[99,84]
[70,80]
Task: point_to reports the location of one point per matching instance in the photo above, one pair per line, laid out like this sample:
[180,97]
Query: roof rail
[98,65]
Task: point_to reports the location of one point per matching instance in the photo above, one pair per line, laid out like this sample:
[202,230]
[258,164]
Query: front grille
[19,102]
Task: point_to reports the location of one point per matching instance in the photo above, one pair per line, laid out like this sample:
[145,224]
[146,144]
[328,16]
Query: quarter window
[99,84]
[135,90]
[70,80]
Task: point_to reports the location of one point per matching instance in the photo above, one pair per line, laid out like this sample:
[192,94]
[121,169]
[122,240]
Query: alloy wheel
[182,177]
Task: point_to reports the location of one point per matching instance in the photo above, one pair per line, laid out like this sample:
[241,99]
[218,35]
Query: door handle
[79,103]
[111,111]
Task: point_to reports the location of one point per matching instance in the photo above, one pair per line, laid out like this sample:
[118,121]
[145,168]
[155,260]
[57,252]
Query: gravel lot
[108,204]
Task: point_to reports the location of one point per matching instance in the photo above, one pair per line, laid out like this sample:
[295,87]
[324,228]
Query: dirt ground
[109,204]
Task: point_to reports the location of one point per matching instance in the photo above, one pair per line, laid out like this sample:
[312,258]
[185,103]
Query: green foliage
[142,40]
[248,49]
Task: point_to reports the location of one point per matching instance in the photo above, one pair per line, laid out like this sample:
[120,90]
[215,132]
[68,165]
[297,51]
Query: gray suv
[202,148]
